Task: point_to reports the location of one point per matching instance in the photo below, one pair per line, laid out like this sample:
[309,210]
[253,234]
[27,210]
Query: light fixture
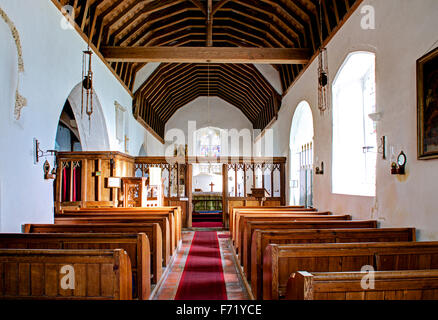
[38,153]
[322,71]
[399,166]
[87,81]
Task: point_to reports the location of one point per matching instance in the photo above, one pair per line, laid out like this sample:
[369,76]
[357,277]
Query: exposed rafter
[207,54]
[290,25]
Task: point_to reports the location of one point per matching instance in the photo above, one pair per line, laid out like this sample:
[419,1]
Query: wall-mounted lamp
[399,166]
[47,174]
[38,153]
[320,171]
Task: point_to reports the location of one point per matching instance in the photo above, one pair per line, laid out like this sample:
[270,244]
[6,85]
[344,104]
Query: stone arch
[302,132]
[93,133]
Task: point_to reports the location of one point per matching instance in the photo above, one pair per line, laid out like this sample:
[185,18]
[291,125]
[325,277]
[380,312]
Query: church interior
[219,150]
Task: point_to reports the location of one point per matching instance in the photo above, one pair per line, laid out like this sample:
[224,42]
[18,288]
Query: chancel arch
[67,135]
[92,131]
[301,156]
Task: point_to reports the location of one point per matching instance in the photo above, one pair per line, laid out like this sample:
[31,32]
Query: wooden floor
[235,286]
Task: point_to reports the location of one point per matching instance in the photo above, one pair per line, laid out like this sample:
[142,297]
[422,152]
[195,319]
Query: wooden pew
[175,210]
[388,285]
[253,260]
[239,215]
[35,274]
[137,217]
[240,232]
[236,215]
[152,230]
[233,210]
[251,226]
[162,221]
[280,261]
[135,245]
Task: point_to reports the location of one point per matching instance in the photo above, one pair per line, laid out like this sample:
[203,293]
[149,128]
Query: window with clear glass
[354,133]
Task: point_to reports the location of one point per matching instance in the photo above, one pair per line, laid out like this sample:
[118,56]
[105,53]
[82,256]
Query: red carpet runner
[203,277]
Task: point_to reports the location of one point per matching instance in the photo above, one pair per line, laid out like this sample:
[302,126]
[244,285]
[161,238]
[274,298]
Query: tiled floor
[236,289]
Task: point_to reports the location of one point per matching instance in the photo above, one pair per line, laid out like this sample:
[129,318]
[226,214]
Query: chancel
[218,150]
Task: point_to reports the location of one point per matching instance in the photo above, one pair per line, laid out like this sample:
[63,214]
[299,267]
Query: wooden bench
[240,232]
[232,211]
[128,217]
[280,261]
[253,261]
[251,226]
[238,213]
[35,274]
[388,285]
[162,221]
[135,245]
[152,230]
[174,210]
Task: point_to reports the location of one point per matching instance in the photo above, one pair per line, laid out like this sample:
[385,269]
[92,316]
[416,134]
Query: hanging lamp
[323,88]
[87,80]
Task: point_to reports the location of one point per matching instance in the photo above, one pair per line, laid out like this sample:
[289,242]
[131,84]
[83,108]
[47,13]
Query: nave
[265,150]
[227,274]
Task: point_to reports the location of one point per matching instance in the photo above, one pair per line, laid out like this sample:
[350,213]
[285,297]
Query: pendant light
[87,80]
[323,88]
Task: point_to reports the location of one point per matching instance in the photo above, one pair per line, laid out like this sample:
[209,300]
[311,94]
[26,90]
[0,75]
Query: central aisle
[204,268]
[203,277]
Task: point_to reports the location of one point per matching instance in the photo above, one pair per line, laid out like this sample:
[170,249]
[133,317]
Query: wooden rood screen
[82,180]
[176,176]
[239,176]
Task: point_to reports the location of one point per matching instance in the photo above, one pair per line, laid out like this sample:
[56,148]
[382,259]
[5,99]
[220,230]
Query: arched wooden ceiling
[185,23]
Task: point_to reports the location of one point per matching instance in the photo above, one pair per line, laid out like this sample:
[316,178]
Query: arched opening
[301,157]
[354,133]
[92,132]
[142,151]
[67,135]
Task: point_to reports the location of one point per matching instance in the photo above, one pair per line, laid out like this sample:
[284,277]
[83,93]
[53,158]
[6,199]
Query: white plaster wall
[272,75]
[405,31]
[222,115]
[52,61]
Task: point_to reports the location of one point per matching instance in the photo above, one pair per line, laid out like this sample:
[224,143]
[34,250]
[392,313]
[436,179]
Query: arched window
[208,142]
[301,157]
[354,133]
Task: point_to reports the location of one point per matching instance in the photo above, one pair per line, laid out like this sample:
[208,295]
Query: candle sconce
[320,170]
[399,166]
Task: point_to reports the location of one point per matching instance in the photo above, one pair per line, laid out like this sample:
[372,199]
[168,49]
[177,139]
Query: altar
[207,201]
